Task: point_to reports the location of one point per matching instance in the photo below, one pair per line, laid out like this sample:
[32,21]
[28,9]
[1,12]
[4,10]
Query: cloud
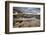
[27,9]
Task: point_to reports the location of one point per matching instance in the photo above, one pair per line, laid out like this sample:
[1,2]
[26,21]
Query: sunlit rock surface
[28,23]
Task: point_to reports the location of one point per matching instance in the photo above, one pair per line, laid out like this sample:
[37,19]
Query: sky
[27,9]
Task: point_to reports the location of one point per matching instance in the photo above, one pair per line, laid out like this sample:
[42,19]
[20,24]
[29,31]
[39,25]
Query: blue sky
[27,9]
